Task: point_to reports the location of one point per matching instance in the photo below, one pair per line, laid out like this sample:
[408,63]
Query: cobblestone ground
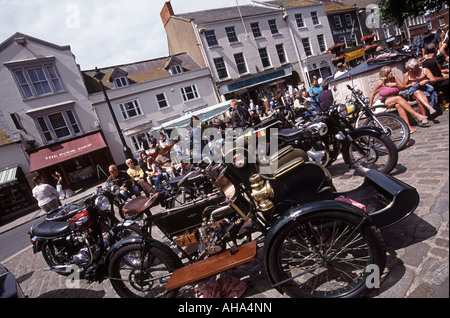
[417,247]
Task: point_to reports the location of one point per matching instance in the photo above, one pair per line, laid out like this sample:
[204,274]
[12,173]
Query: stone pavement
[417,247]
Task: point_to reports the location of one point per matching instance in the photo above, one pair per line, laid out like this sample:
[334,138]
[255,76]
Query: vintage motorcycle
[391,124]
[80,233]
[331,133]
[315,243]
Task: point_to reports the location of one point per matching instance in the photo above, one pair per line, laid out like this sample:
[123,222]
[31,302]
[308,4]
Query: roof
[334,6]
[16,35]
[290,4]
[139,72]
[228,13]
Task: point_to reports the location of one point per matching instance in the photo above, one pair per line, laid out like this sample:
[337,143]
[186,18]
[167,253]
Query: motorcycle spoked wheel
[131,280]
[304,249]
[380,152]
[397,129]
[55,257]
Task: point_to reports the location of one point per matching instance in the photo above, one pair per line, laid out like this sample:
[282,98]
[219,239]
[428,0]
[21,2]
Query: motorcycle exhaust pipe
[56,268]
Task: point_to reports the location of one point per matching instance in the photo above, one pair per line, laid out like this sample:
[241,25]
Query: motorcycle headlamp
[102,203]
[342,110]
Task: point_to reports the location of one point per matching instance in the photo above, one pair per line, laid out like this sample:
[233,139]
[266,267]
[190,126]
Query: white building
[147,94]
[46,120]
[247,48]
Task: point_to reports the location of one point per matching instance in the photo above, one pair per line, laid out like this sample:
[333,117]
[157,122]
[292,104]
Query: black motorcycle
[79,234]
[316,242]
[331,133]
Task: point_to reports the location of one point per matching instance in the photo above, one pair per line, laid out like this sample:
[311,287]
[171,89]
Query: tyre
[122,231]
[131,280]
[326,255]
[396,127]
[370,150]
[55,256]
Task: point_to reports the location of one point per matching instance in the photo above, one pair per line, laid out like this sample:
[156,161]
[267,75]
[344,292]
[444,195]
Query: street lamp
[126,150]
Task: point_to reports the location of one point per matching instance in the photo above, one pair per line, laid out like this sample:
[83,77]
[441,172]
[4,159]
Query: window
[348,20]
[273,26]
[161,99]
[281,54]
[121,82]
[343,39]
[231,34]
[130,109]
[38,81]
[220,68]
[190,93]
[354,40]
[322,45]
[337,22]
[255,29]
[58,126]
[299,20]
[314,17]
[211,38]
[240,63]
[176,69]
[307,46]
[264,57]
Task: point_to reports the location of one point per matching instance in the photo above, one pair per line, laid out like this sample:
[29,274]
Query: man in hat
[340,71]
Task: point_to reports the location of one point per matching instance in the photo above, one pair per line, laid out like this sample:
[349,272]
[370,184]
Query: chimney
[166,12]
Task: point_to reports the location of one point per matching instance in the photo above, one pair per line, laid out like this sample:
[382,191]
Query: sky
[100,33]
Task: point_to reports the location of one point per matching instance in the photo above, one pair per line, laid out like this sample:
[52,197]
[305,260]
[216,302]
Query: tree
[396,11]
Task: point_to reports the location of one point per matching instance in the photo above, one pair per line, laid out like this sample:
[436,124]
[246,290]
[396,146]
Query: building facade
[46,116]
[147,94]
[249,49]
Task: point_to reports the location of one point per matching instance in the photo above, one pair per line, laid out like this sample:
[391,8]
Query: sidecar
[296,182]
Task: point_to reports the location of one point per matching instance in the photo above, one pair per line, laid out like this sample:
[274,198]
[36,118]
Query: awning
[54,154]
[8,175]
[204,114]
[355,54]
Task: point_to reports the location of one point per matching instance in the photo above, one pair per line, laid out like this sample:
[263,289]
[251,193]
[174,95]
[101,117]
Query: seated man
[127,186]
[138,176]
[163,160]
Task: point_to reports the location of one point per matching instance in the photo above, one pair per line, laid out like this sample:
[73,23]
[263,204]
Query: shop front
[15,192]
[259,86]
[81,161]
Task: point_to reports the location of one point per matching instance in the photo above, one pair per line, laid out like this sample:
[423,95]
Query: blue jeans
[157,180]
[130,192]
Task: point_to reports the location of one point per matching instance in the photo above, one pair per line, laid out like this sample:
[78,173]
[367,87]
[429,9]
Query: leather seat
[139,204]
[290,134]
[49,229]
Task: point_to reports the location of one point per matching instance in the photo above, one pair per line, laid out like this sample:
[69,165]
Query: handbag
[385,92]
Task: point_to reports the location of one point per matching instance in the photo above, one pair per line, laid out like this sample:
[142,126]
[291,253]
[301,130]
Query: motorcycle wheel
[379,152]
[302,254]
[55,257]
[397,129]
[129,280]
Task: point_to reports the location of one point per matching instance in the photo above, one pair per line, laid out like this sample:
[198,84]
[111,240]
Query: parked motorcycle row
[315,241]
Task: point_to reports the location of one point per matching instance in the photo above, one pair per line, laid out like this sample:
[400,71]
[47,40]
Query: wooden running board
[212,265]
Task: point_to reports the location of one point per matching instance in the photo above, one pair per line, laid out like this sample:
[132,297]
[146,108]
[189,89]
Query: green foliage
[396,11]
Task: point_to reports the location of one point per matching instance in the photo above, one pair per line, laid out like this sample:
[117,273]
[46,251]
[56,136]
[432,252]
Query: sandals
[424,122]
[432,111]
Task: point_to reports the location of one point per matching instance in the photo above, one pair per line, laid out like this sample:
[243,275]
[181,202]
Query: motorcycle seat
[48,229]
[191,180]
[290,134]
[139,204]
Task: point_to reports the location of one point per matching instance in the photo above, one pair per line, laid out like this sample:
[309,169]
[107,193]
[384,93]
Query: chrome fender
[297,212]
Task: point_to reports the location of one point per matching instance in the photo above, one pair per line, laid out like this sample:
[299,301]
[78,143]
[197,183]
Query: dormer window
[121,82]
[119,77]
[174,66]
[176,69]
